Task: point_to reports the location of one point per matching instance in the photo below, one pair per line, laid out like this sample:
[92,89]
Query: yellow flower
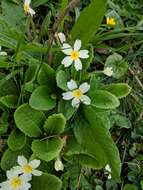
[111,21]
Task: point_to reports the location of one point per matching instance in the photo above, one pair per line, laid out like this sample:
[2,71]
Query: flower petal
[3,53]
[35,163]
[18,169]
[26,177]
[27,2]
[71,85]
[67,49]
[84,87]
[77,45]
[25,186]
[75,102]
[67,95]
[67,61]
[22,160]
[31,11]
[36,172]
[78,65]
[83,53]
[58,165]
[11,173]
[61,37]
[86,100]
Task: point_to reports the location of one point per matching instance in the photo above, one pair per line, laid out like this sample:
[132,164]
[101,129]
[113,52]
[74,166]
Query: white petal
[78,65]
[67,95]
[58,165]
[107,167]
[34,163]
[36,172]
[18,169]
[67,49]
[75,102]
[26,177]
[109,176]
[67,61]
[86,100]
[84,87]
[4,185]
[71,85]
[27,2]
[83,53]
[11,173]
[62,37]
[3,53]
[25,186]
[31,11]
[22,160]
[77,45]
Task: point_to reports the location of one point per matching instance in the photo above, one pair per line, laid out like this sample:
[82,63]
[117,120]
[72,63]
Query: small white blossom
[74,55]
[27,8]
[58,165]
[108,171]
[61,37]
[16,182]
[28,168]
[3,53]
[108,71]
[76,94]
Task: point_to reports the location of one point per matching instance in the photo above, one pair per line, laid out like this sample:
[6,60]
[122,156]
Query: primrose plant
[62,107]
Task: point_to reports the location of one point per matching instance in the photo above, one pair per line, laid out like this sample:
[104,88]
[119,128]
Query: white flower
[60,36]
[27,8]
[16,182]
[108,71]
[77,94]
[3,53]
[58,165]
[108,169]
[74,55]
[27,168]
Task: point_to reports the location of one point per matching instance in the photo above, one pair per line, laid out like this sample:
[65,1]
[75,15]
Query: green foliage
[41,99]
[29,121]
[120,90]
[46,182]
[86,30]
[104,100]
[130,187]
[16,140]
[62,79]
[55,124]
[118,64]
[93,135]
[47,150]
[9,157]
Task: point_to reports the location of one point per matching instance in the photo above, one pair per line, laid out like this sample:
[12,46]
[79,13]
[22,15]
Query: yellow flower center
[74,55]
[27,168]
[16,182]
[77,93]
[26,8]
[111,21]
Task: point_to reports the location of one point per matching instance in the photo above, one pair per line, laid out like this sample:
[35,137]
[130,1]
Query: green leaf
[29,121]
[41,99]
[104,100]
[16,140]
[46,182]
[9,101]
[76,153]
[94,13]
[66,109]
[4,122]
[37,3]
[55,124]
[47,150]
[118,64]
[46,76]
[9,158]
[130,187]
[62,80]
[120,90]
[93,135]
